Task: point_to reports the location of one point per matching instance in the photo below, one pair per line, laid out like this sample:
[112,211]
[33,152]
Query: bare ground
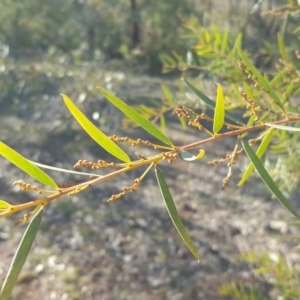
[88,249]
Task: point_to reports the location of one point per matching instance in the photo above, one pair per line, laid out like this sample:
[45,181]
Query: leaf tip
[64,97]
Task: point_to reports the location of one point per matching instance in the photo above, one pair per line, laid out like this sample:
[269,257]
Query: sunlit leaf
[279,77]
[260,79]
[167,94]
[190,157]
[237,44]
[287,128]
[95,133]
[21,255]
[248,90]
[207,36]
[162,123]
[224,41]
[260,152]
[250,122]
[267,178]
[281,47]
[64,170]
[212,104]
[148,110]
[25,165]
[216,37]
[279,149]
[289,90]
[174,213]
[135,116]
[183,123]
[219,111]
[4,206]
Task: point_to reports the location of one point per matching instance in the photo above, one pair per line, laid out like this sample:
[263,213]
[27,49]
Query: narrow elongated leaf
[260,152]
[212,104]
[64,170]
[167,94]
[236,45]
[267,178]
[278,77]
[21,255]
[190,157]
[135,116]
[248,90]
[286,128]
[162,123]
[25,165]
[225,41]
[148,110]
[250,122]
[96,134]
[174,213]
[281,47]
[219,111]
[260,79]
[183,123]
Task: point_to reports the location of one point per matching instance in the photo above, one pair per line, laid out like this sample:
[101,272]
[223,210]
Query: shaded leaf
[219,111]
[21,255]
[25,165]
[287,128]
[136,117]
[267,178]
[212,104]
[95,133]
[260,79]
[190,157]
[260,152]
[174,213]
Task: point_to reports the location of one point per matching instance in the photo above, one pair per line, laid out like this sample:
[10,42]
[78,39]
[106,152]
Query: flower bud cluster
[28,187]
[219,161]
[170,156]
[132,188]
[100,164]
[133,142]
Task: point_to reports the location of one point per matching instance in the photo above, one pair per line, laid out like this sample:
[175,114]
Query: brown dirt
[88,249]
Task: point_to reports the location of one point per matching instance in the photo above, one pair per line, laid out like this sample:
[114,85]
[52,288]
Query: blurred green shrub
[138,30]
[282,278]
[111,27]
[213,58]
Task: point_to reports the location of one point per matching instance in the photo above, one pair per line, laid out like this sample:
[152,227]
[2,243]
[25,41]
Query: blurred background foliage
[47,47]
[271,39]
[271,268]
[72,46]
[102,30]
